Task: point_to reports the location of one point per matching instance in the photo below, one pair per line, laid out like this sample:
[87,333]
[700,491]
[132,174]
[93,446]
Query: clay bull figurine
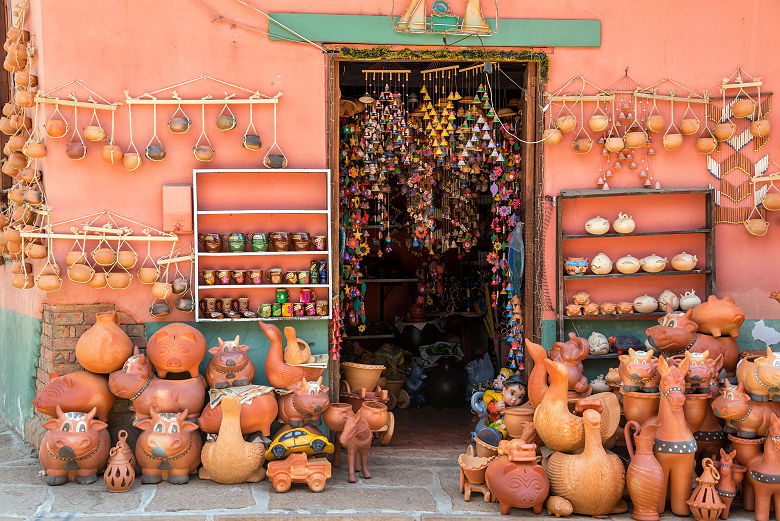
[229,365]
[168,448]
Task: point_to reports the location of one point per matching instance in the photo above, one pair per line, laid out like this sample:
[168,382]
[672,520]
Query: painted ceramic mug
[322,307]
[257,241]
[256,276]
[320,242]
[235,241]
[303,277]
[308,295]
[239,276]
[223,276]
[282,295]
[265,310]
[209,277]
[276,309]
[291,277]
[212,242]
[297,309]
[275,275]
[287,309]
[301,241]
[280,240]
[309,309]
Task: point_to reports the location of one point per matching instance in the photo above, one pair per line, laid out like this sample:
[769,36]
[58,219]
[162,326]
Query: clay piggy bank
[230,365]
[572,353]
[176,348]
[305,405]
[257,413]
[677,332]
[761,377]
[719,317]
[745,418]
[608,308]
[168,448]
[75,392]
[591,309]
[136,382]
[573,310]
[625,307]
[74,448]
[639,371]
[515,479]
[581,298]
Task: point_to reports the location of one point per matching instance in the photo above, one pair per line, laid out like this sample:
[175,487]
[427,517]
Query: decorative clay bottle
[645,476]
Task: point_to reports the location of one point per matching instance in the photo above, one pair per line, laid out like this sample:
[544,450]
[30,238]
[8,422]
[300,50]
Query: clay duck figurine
[558,428]
[537,380]
[279,374]
[230,459]
[592,481]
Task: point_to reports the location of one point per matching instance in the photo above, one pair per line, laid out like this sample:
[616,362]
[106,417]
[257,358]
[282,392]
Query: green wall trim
[20,348]
[315,332]
[512,32]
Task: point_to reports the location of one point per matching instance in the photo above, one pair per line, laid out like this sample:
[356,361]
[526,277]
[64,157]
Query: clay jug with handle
[644,478]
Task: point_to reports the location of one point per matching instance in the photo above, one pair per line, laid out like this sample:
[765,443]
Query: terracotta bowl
[566,123]
[118,280]
[582,145]
[226,122]
[755,227]
[656,123]
[474,466]
[673,141]
[80,273]
[552,136]
[516,417]
[34,150]
[275,161]
[484,450]
[19,267]
[155,152]
[94,133]
[743,108]
[771,201]
[361,376]
[56,128]
[614,144]
[706,145]
[32,197]
[760,128]
[161,290]
[76,150]
[104,256]
[724,131]
[98,281]
[127,258]
[49,282]
[21,281]
[203,152]
[689,126]
[252,142]
[148,275]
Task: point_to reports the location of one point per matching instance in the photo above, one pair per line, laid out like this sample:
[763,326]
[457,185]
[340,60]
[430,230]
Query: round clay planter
[34,150]
[155,153]
[582,145]
[375,414]
[673,141]
[757,227]
[56,128]
[118,280]
[771,201]
[695,409]
[75,257]
[131,160]
[474,467]
[112,154]
[19,267]
[80,273]
[689,126]
[656,123]
[98,281]
[16,143]
[635,139]
[32,197]
[760,128]
[25,79]
[336,415]
[179,124]
[565,123]
[361,376]
[76,150]
[161,290]
[226,122]
[552,136]
[148,275]
[743,108]
[104,347]
[706,145]
[49,283]
[485,450]
[598,122]
[275,161]
[24,98]
[515,419]
[640,407]
[252,142]
[127,259]
[94,133]
[37,251]
[724,131]
[203,152]
[104,256]
[180,285]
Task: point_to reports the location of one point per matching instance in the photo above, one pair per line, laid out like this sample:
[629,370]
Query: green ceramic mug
[236,242]
[257,241]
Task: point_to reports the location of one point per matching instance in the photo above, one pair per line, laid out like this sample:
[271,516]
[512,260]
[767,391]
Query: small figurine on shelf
[513,393]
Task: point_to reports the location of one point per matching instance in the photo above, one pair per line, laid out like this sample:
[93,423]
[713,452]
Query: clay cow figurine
[136,381]
[168,448]
[571,353]
[305,405]
[74,448]
[761,377]
[744,417]
[677,332]
[230,365]
[75,392]
[176,348]
[639,371]
[257,414]
[356,437]
[703,370]
[719,317]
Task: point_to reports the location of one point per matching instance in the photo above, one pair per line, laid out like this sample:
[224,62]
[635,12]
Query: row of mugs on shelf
[237,242]
[582,304]
[316,274]
[601,264]
[230,308]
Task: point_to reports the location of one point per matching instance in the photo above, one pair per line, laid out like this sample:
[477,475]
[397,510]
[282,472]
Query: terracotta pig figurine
[136,381]
[305,405]
[256,416]
[761,377]
[639,371]
[571,353]
[230,365]
[168,448]
[356,437]
[176,348]
[731,475]
[719,317]
[75,392]
[74,448]
[744,417]
[677,333]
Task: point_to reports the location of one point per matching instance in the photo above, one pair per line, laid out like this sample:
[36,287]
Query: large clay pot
[516,417]
[645,477]
[724,131]
[640,407]
[336,415]
[446,385]
[361,376]
[375,413]
[552,136]
[104,347]
[760,128]
[656,123]
[706,145]
[743,108]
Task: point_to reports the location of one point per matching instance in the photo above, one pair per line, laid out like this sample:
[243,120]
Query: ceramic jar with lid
[601,264]
[668,298]
[597,226]
[627,264]
[653,263]
[684,261]
[624,223]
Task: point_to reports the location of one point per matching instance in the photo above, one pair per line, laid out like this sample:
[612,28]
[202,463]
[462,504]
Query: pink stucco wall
[145,45]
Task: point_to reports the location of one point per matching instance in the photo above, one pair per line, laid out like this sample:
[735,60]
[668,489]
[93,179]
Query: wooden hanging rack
[439,69]
[668,97]
[82,237]
[577,97]
[474,67]
[148,98]
[54,100]
[765,178]
[190,257]
[382,72]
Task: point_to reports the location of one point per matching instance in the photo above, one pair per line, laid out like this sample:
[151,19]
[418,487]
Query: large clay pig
[719,317]
[176,348]
[229,365]
[256,416]
[75,392]
[136,382]
[74,448]
[168,448]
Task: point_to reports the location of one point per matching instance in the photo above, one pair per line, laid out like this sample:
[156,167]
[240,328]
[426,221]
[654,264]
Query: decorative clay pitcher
[211,241]
[645,477]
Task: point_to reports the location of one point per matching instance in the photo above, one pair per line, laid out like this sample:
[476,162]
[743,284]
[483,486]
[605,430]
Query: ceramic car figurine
[297,441]
[297,468]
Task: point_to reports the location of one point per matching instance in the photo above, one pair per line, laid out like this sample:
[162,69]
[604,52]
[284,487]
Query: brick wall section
[63,324]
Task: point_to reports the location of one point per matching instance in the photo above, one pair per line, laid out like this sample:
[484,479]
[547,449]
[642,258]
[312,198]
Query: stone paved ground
[407,485]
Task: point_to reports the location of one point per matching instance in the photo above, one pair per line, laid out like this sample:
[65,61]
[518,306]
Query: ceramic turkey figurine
[592,481]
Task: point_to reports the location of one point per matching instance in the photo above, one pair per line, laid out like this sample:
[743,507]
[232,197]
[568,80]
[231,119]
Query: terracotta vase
[120,472]
[515,479]
[695,409]
[644,477]
[640,407]
[104,347]
[516,417]
[361,376]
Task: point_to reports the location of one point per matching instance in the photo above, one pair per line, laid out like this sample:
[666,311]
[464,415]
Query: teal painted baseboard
[20,348]
[315,332]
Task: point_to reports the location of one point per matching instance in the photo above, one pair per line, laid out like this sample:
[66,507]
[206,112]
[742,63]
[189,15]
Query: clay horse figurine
[356,436]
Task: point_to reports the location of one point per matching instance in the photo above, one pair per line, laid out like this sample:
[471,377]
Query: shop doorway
[435,174]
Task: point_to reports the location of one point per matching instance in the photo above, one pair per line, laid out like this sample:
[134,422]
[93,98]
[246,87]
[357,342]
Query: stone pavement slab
[199,495]
[73,498]
[22,500]
[350,498]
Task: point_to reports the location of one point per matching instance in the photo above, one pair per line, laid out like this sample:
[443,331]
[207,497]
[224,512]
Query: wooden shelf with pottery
[615,316]
[260,286]
[638,234]
[259,253]
[637,274]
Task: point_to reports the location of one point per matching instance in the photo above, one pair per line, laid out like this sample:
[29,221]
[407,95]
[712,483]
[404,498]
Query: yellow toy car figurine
[295,441]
